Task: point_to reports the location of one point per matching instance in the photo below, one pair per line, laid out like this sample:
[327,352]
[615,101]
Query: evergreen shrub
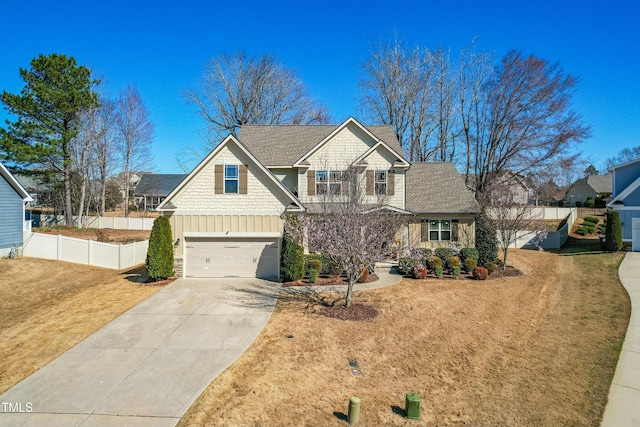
[613,232]
[159,259]
[291,260]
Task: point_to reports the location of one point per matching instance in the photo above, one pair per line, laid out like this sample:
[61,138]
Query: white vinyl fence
[86,252]
[116,223]
[554,239]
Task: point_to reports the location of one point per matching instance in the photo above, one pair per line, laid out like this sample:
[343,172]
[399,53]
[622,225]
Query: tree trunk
[504,259]
[349,292]
[103,192]
[68,213]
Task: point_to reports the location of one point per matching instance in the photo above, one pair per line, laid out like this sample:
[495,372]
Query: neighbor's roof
[158,184]
[599,183]
[438,188]
[283,145]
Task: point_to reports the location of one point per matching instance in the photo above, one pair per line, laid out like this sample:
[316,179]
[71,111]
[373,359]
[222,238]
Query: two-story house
[227,215]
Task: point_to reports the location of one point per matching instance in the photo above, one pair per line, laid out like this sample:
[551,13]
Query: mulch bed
[509,272]
[356,312]
[327,281]
[148,282]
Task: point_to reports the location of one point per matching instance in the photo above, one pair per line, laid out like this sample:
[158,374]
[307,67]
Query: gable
[203,190]
[349,144]
[624,176]
[13,183]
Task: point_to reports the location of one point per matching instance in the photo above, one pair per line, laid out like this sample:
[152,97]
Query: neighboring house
[134,178]
[589,187]
[509,187]
[13,198]
[152,189]
[227,215]
[40,191]
[626,197]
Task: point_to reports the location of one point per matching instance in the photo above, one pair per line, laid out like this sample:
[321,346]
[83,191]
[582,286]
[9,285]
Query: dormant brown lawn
[46,307]
[534,350]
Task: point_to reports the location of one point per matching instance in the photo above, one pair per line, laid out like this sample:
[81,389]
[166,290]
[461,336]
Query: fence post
[58,246]
[89,252]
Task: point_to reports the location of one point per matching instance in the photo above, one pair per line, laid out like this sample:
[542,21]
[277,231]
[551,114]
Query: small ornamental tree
[613,232]
[291,253]
[160,253]
[352,226]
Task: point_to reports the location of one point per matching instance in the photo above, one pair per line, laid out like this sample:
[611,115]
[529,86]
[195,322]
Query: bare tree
[488,119]
[353,228]
[527,122]
[104,131]
[625,155]
[81,148]
[134,135]
[512,220]
[396,91]
[239,89]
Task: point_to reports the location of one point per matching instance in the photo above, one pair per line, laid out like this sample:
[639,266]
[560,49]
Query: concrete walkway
[386,277]
[623,408]
[149,365]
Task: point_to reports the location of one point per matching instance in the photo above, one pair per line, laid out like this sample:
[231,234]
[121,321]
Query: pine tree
[56,91]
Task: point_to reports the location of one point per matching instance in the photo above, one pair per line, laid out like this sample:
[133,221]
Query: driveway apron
[146,367]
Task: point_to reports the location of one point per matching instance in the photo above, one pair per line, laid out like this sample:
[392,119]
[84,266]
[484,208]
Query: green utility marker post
[412,406]
[354,410]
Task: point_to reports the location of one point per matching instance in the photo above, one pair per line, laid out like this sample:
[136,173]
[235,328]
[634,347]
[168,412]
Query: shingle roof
[283,145]
[601,183]
[438,188]
[158,184]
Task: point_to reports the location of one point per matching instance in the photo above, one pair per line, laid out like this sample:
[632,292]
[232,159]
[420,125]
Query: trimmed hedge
[480,273]
[325,263]
[405,265]
[469,265]
[419,271]
[444,253]
[469,253]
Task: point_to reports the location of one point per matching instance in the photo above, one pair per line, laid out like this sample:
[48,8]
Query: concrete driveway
[147,366]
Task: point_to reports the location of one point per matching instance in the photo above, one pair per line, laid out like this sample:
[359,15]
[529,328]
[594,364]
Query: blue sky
[162,47]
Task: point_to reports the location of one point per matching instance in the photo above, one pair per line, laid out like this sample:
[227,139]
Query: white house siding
[198,194]
[288,177]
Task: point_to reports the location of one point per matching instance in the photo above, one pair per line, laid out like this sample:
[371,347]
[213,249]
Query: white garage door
[232,257]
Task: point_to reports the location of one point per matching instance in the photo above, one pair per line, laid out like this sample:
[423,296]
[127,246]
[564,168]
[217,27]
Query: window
[335,183]
[322,182]
[380,182]
[231,178]
[328,182]
[439,230]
